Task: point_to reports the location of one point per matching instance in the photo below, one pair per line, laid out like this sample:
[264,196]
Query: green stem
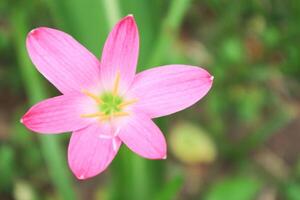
[169,30]
[171,189]
[113,13]
[50,147]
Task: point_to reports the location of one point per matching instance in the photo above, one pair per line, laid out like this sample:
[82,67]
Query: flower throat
[110,103]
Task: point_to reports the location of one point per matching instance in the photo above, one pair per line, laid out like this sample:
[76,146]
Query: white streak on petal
[105,136]
[114,143]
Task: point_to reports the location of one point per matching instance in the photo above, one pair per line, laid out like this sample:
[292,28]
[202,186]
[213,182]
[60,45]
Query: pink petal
[59,114]
[62,60]
[143,137]
[89,152]
[168,89]
[120,53]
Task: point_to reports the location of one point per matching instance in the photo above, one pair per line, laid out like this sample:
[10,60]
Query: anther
[116,84]
[105,117]
[120,114]
[126,103]
[97,114]
[93,96]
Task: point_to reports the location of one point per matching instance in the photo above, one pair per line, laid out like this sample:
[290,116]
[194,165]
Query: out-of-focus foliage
[250,118]
[234,188]
[191,144]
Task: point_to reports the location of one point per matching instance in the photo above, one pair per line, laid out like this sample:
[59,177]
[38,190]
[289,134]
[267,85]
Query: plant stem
[113,13]
[169,30]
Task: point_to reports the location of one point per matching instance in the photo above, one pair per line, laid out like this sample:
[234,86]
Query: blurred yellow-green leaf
[191,144]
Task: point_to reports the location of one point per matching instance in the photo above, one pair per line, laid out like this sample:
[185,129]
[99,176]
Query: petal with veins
[59,114]
[89,154]
[143,137]
[120,54]
[62,60]
[168,89]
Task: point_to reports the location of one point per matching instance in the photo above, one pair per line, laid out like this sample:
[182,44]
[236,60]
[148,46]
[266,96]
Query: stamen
[97,114]
[93,96]
[126,103]
[116,84]
[105,117]
[119,114]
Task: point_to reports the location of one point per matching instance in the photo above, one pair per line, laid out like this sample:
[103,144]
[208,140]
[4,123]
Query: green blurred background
[241,142]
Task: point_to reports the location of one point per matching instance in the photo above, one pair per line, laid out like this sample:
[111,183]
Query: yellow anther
[105,117]
[116,84]
[97,114]
[126,103]
[93,96]
[120,114]
[111,116]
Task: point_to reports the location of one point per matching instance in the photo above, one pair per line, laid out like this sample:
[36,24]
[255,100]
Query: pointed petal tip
[34,32]
[24,118]
[81,177]
[129,17]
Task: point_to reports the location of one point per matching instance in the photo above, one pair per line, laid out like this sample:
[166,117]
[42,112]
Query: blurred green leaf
[7,167]
[85,20]
[234,188]
[271,36]
[233,50]
[292,191]
[171,189]
[169,31]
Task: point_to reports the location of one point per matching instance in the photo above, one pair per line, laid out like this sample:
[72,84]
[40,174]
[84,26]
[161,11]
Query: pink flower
[104,102]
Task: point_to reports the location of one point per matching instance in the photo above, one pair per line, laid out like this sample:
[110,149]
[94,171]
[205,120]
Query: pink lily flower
[104,103]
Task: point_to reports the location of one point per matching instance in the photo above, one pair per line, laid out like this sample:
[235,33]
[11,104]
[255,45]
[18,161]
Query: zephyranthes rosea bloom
[104,102]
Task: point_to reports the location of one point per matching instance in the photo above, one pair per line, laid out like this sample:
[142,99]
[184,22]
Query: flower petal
[89,153]
[59,114]
[168,89]
[143,137]
[120,53]
[62,60]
